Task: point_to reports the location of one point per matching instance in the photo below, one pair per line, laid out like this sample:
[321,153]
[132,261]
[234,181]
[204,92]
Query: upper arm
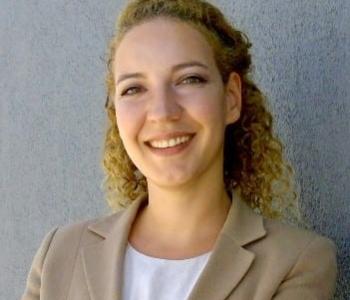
[32,291]
[313,276]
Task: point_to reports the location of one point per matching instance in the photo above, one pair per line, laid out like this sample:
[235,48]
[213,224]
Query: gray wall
[52,118]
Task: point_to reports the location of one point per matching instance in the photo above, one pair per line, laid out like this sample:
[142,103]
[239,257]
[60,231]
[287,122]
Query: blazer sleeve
[313,276]
[32,290]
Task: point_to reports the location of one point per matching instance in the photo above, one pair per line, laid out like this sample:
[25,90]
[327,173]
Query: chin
[170,180]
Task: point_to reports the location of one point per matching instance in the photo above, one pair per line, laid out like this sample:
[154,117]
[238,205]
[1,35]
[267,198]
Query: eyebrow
[174,68]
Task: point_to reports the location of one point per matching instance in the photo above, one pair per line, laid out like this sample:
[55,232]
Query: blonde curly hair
[254,165]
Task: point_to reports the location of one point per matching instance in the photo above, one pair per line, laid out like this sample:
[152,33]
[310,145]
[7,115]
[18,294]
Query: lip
[171,150]
[169,135]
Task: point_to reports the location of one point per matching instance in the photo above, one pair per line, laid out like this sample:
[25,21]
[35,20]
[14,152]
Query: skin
[187,202]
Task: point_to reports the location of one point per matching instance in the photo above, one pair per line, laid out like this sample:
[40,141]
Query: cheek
[208,109]
[129,119]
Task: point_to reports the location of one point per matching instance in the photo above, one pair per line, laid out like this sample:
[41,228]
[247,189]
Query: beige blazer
[253,259]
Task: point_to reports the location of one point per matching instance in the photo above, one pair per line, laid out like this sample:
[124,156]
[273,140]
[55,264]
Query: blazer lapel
[229,261]
[227,265]
[103,261]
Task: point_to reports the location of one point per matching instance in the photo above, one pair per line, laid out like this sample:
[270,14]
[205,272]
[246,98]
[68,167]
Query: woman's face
[169,91]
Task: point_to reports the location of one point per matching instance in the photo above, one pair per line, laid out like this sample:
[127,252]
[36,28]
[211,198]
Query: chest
[147,277]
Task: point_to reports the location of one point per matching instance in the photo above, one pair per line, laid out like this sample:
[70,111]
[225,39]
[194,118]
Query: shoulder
[304,259]
[282,245]
[77,234]
[299,252]
[272,237]
[56,256]
[300,263]
[290,238]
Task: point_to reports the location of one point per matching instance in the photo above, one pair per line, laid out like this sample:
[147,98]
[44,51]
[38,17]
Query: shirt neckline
[166,259]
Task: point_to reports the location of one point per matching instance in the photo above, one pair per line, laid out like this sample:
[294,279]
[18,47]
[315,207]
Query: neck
[187,214]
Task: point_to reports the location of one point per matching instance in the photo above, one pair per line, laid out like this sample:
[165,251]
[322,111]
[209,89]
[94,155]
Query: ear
[233,97]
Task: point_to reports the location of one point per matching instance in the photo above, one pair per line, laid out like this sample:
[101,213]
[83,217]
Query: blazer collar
[227,264]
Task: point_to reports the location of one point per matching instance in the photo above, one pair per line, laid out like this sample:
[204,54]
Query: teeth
[170,143]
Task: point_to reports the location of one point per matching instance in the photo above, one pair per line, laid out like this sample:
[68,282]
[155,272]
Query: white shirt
[151,278]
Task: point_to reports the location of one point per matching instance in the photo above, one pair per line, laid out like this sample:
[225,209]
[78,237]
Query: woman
[191,156]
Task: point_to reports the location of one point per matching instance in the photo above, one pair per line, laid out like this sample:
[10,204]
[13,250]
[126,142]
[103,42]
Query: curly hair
[254,165]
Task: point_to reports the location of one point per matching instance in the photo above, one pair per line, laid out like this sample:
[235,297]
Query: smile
[170,146]
[170,142]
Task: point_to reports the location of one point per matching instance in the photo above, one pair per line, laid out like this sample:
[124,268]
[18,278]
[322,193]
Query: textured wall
[52,118]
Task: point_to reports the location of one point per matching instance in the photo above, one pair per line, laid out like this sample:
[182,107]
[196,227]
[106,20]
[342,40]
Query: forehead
[162,42]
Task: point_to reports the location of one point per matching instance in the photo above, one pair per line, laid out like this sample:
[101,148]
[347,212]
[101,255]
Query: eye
[194,79]
[126,92]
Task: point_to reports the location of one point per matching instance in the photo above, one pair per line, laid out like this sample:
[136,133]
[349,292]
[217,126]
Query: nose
[164,106]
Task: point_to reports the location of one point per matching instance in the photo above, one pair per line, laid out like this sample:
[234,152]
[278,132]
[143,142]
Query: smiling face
[176,96]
